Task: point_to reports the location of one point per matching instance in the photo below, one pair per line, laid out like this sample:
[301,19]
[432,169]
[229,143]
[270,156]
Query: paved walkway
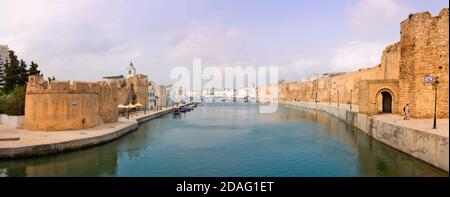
[425,125]
[33,138]
[354,108]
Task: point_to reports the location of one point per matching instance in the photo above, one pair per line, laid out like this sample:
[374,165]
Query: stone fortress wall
[340,87]
[60,105]
[422,51]
[140,89]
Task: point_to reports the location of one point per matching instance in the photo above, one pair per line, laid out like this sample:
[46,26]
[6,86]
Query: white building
[223,94]
[194,96]
[166,100]
[153,91]
[176,94]
[4,58]
[131,70]
[248,94]
[159,96]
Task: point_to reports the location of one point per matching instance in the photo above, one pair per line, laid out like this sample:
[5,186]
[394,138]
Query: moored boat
[176,110]
[184,109]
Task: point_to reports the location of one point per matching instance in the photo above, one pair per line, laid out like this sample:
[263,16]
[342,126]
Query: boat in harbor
[184,109]
[176,110]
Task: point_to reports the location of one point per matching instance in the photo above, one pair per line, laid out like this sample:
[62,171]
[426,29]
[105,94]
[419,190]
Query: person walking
[406,111]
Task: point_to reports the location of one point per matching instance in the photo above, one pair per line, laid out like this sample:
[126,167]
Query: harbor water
[232,139]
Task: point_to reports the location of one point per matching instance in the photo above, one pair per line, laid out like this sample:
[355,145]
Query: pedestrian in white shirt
[406,112]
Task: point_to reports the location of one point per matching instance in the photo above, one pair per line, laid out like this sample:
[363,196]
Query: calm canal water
[232,139]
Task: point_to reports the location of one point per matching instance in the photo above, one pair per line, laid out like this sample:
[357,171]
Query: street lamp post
[436,82]
[128,113]
[317,99]
[351,94]
[338,97]
[317,89]
[329,97]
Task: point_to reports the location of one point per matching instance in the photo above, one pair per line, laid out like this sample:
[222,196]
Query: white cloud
[375,15]
[30,21]
[68,39]
[213,44]
[302,68]
[86,39]
[357,55]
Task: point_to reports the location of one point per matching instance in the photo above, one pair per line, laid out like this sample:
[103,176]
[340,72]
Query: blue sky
[87,39]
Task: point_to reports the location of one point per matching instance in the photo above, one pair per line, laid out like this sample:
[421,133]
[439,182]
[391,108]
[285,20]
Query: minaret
[131,70]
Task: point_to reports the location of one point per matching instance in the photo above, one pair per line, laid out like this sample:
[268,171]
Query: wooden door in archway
[387,102]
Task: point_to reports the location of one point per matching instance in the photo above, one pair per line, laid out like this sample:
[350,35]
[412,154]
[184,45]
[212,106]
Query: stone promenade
[22,143]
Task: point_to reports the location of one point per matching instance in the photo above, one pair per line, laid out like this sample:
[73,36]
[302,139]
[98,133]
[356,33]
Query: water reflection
[98,161]
[179,115]
[375,158]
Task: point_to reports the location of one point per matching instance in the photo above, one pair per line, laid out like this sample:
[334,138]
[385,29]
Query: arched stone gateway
[378,96]
[385,100]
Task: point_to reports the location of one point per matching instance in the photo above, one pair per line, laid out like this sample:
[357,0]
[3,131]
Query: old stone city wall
[340,87]
[60,105]
[108,102]
[422,51]
[140,89]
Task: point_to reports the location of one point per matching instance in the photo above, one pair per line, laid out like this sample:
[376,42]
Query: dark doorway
[387,102]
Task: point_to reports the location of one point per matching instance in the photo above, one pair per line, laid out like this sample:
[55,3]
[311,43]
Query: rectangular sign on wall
[428,79]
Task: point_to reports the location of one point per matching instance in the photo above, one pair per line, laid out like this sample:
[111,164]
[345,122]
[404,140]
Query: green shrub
[2,95]
[13,103]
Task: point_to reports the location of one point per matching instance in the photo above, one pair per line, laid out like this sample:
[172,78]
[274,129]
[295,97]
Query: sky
[88,39]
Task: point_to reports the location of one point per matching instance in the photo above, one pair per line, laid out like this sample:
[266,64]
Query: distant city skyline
[85,40]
